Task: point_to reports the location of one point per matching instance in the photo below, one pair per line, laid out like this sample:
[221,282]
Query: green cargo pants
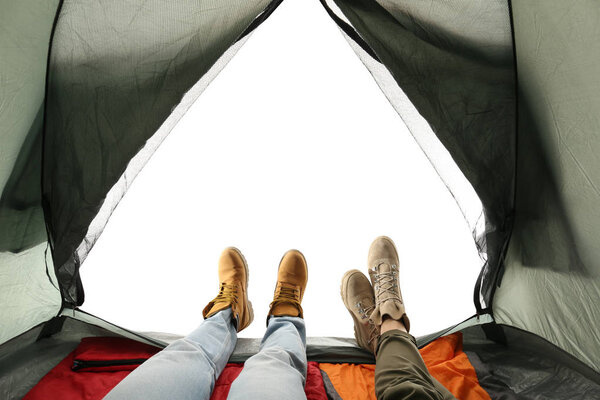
[400,372]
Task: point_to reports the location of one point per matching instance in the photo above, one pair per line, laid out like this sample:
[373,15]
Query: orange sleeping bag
[444,358]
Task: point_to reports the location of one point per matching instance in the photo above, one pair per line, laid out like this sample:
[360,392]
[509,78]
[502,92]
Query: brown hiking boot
[292,277]
[383,270]
[233,290]
[359,299]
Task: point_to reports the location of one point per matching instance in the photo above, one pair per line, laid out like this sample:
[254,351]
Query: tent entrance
[291,146]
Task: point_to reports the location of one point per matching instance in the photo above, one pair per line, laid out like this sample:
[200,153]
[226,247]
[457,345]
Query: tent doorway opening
[293,145]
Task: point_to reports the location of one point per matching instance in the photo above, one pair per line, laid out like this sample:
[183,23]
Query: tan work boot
[233,290]
[383,270]
[292,277]
[359,299]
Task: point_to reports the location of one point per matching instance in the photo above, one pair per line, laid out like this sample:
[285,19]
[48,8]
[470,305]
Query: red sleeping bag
[99,363]
[92,369]
[314,388]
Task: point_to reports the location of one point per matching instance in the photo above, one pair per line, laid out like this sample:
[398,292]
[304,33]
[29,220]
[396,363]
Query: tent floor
[517,365]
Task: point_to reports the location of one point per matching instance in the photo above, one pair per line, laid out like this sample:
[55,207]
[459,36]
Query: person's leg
[278,370]
[400,372]
[187,368]
[378,309]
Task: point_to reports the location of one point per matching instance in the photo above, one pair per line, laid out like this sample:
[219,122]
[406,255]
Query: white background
[293,145]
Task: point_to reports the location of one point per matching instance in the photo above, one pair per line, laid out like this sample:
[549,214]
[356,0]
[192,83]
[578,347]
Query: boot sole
[343,293]
[249,308]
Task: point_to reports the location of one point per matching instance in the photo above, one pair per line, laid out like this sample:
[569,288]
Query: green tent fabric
[28,293]
[469,103]
[96,94]
[552,276]
[508,88]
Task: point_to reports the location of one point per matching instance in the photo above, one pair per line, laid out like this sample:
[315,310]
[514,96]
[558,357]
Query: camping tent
[509,88]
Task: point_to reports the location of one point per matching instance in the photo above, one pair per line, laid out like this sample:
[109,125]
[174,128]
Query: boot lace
[385,285]
[365,313]
[286,294]
[228,293]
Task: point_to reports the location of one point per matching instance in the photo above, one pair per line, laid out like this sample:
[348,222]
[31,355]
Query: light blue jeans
[189,367]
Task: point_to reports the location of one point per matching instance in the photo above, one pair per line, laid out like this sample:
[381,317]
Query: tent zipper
[81,364]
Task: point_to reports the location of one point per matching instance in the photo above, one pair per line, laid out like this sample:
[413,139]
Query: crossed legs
[381,326]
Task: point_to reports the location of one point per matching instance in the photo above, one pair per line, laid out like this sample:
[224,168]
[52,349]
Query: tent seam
[497,279]
[45,208]
[350,31]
